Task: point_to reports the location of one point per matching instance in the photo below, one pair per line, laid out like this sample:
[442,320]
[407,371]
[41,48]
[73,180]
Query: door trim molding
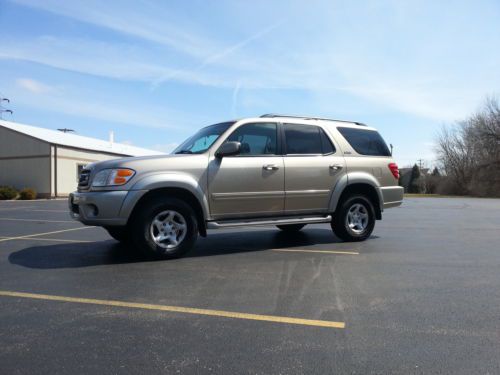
[248,195]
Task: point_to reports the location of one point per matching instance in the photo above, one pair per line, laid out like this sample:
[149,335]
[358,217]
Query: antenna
[2,109]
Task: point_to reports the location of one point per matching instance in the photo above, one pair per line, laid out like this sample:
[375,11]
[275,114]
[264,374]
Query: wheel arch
[175,192]
[358,183]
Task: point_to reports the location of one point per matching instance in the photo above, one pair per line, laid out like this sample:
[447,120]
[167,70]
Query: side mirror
[228,149]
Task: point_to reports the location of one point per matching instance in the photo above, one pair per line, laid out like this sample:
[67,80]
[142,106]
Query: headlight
[112,177]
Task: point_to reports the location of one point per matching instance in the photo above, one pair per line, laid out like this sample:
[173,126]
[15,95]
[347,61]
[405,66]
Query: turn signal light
[121,176]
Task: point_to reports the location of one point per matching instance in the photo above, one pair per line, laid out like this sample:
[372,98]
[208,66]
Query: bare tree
[469,152]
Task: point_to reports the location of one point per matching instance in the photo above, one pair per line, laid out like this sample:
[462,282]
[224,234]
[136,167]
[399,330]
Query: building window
[79,169]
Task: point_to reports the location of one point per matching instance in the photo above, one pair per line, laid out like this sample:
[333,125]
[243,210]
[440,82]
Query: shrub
[7,192]
[27,194]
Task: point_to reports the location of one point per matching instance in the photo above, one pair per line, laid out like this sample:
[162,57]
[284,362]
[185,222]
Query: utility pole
[420,163]
[2,109]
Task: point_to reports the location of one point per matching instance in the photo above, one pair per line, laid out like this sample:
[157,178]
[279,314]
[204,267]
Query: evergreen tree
[415,185]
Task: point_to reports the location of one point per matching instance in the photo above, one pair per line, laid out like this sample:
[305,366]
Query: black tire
[141,227]
[121,234]
[340,225]
[291,228]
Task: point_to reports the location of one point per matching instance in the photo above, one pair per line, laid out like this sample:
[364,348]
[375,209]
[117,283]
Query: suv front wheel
[165,227]
[354,219]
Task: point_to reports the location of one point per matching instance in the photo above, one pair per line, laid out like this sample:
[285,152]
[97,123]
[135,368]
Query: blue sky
[154,72]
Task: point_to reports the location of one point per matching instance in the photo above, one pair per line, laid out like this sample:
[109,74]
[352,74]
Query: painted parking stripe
[65,211]
[43,234]
[317,251]
[36,220]
[178,309]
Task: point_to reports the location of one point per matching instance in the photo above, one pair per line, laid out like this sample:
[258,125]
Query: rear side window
[365,142]
[306,140]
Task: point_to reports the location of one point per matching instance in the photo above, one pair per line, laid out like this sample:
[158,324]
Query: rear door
[313,166]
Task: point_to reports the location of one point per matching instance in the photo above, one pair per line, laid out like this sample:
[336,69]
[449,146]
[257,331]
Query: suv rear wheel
[165,227]
[290,228]
[354,219]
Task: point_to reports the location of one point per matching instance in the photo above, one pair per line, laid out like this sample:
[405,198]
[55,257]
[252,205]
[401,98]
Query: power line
[2,108]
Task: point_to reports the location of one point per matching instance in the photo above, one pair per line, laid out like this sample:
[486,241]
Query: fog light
[94,211]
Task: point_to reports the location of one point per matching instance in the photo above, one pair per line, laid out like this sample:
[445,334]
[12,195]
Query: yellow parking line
[178,309]
[318,251]
[37,220]
[43,234]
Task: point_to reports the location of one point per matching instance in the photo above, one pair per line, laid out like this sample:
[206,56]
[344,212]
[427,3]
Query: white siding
[67,163]
[24,162]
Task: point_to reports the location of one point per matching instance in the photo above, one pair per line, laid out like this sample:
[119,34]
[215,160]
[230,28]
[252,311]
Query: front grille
[83,180]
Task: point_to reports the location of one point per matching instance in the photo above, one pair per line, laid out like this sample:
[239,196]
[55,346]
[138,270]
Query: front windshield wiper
[184,152]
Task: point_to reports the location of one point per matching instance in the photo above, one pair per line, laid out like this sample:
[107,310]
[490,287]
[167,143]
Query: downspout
[55,171]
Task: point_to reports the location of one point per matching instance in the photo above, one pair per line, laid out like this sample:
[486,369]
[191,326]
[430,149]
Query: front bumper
[102,208]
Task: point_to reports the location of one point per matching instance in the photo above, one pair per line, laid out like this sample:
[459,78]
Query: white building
[49,161]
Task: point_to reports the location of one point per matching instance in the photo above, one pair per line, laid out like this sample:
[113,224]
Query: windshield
[203,139]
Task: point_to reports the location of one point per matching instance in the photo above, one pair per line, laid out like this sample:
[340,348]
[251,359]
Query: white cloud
[80,102]
[389,57]
[151,22]
[34,86]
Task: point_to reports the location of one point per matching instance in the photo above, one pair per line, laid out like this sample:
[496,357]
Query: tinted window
[256,139]
[365,142]
[302,139]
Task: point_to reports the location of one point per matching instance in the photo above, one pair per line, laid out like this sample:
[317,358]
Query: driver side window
[256,139]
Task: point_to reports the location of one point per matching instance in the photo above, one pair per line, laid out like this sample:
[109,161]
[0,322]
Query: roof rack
[272,115]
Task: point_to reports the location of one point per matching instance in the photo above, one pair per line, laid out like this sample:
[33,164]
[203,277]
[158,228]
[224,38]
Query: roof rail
[272,115]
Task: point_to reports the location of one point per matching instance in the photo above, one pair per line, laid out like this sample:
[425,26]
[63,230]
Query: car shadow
[242,242]
[75,255]
[88,254]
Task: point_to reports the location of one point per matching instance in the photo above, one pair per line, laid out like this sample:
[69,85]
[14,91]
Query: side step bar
[277,221]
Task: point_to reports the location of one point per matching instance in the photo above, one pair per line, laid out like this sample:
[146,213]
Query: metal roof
[77,141]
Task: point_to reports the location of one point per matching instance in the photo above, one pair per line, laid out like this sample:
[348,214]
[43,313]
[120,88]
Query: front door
[313,167]
[252,182]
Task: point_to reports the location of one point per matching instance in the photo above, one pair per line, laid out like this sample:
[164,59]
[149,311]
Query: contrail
[236,91]
[217,56]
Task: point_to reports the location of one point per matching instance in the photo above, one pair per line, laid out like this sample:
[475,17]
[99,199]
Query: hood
[143,162]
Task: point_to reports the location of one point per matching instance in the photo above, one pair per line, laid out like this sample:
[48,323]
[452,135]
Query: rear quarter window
[365,142]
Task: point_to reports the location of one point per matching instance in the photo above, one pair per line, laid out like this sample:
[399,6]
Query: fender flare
[167,180]
[350,179]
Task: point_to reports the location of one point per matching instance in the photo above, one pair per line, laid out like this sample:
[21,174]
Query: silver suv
[286,171]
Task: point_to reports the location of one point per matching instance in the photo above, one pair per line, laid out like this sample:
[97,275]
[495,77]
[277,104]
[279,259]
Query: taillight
[394,170]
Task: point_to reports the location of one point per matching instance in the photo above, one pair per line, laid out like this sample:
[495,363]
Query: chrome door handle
[270,167]
[336,167]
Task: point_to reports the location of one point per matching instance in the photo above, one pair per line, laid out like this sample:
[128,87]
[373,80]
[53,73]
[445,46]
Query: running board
[282,221]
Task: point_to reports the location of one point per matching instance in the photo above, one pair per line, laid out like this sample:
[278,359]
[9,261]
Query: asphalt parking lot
[422,295]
